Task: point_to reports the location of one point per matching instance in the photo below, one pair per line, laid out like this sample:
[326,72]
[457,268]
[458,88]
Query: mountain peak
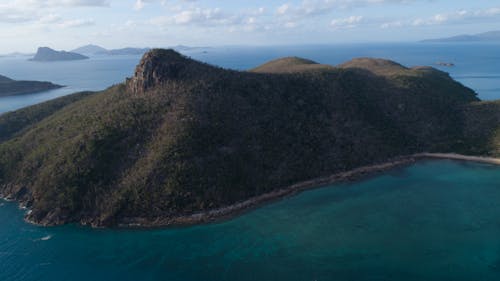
[89,49]
[289,65]
[159,66]
[375,65]
[48,54]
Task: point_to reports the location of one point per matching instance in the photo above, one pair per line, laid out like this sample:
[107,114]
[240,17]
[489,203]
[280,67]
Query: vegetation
[182,136]
[12,123]
[289,65]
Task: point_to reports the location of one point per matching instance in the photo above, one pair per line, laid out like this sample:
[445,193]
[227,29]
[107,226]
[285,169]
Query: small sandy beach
[252,203]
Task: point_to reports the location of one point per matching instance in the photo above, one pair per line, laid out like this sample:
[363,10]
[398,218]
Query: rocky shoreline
[255,202]
[239,208]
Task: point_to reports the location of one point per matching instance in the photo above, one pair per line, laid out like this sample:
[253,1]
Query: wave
[48,237]
[45,238]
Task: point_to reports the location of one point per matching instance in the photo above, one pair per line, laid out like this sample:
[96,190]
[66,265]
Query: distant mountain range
[89,50]
[83,52]
[46,54]
[490,36]
[98,50]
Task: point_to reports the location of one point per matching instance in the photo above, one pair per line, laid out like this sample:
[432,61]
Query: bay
[435,220]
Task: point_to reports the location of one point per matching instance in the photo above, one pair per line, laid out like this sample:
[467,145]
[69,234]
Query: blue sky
[66,24]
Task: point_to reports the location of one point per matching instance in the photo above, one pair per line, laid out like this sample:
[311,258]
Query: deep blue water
[476,65]
[436,220]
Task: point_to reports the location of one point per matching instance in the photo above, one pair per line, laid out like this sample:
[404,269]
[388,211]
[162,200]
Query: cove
[434,220]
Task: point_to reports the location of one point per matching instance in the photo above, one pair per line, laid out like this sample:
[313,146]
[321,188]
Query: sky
[67,24]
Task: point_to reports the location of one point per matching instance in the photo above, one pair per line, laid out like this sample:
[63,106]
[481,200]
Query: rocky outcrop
[159,66]
[48,54]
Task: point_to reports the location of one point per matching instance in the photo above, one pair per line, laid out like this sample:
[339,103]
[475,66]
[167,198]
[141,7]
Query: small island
[490,36]
[10,87]
[45,54]
[447,64]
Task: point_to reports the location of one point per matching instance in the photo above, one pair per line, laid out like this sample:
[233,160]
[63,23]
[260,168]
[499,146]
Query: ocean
[476,65]
[435,220]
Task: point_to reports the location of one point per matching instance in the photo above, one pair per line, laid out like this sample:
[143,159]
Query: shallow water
[436,220]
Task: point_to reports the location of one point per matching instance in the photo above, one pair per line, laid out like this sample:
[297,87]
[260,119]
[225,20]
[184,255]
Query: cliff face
[182,137]
[158,67]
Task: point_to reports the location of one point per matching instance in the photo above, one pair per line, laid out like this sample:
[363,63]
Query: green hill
[290,65]
[182,136]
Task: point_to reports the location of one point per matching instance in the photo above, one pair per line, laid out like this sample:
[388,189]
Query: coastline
[234,210]
[239,208]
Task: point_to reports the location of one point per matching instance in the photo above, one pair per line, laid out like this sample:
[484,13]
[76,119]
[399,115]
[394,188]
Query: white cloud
[139,4]
[50,18]
[16,11]
[349,22]
[456,17]
[283,9]
[77,3]
[310,8]
[77,23]
[208,17]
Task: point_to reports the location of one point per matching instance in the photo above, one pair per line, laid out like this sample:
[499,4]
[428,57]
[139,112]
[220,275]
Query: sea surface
[436,220]
[476,65]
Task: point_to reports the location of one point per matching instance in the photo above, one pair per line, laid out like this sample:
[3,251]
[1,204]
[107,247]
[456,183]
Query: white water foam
[45,238]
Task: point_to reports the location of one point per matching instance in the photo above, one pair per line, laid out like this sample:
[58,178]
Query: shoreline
[237,209]
[240,208]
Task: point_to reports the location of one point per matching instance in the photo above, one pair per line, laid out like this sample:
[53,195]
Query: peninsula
[186,142]
[490,36]
[45,54]
[9,87]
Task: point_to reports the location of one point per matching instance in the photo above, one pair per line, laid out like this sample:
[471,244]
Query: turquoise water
[476,65]
[436,220]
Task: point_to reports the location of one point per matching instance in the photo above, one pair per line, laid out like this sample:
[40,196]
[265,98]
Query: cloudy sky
[66,24]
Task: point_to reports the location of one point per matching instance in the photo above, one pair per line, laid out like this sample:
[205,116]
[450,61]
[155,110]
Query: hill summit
[182,138]
[48,54]
[160,66]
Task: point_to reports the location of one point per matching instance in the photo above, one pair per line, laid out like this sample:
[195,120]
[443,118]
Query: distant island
[184,142]
[98,50]
[490,36]
[92,49]
[443,63]
[45,54]
[9,87]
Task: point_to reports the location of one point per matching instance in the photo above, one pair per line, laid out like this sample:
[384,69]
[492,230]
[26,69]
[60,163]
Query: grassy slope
[203,137]
[289,65]
[14,122]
